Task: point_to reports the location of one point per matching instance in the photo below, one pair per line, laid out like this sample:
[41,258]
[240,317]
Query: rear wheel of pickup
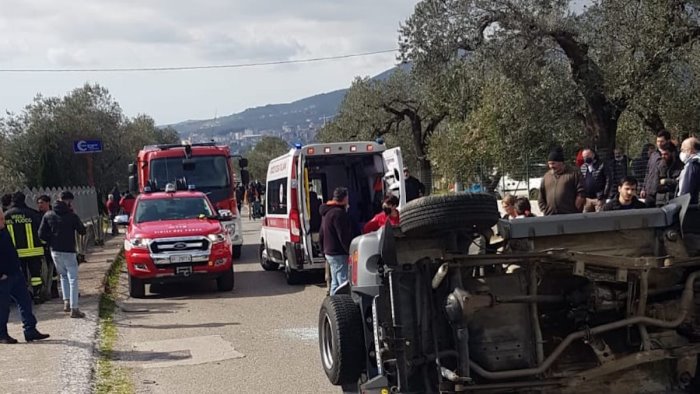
[439,214]
[341,339]
[137,287]
[226,281]
[265,263]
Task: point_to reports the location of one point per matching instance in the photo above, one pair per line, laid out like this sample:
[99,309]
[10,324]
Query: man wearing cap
[561,191]
[23,225]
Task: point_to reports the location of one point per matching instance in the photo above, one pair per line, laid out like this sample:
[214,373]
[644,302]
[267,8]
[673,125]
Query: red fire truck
[205,167]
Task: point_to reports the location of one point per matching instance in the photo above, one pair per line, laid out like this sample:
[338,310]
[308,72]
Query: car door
[394,178]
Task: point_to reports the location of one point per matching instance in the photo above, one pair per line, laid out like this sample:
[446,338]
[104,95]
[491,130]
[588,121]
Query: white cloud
[138,33]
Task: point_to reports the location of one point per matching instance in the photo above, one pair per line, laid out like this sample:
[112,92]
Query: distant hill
[272,117]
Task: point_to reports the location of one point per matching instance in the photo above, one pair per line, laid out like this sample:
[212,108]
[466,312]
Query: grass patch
[109,377]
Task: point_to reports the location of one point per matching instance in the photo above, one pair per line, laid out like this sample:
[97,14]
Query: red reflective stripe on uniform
[277,222]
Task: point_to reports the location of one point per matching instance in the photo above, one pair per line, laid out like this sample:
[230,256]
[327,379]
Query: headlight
[216,238]
[136,243]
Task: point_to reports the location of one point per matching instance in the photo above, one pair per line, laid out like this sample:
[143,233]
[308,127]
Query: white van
[301,180]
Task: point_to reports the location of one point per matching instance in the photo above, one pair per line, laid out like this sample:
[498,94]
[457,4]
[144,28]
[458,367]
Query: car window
[172,209]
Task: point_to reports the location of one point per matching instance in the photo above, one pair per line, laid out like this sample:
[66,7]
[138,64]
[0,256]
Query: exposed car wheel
[293,276]
[236,251]
[341,339]
[226,281]
[137,287]
[534,194]
[265,263]
[439,214]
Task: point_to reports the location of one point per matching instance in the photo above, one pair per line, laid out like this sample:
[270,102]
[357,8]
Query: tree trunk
[601,124]
[425,174]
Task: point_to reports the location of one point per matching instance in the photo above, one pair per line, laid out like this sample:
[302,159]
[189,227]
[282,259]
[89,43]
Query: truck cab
[177,236]
[304,178]
[206,167]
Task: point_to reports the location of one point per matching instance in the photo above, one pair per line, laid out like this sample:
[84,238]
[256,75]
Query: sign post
[87,148]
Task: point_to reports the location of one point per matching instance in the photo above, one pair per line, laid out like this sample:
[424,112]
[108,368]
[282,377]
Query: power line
[184,68]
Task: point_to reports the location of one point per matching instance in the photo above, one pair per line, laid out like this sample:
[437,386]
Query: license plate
[184,271]
[183,258]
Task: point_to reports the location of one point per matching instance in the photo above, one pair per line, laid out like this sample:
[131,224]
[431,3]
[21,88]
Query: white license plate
[183,258]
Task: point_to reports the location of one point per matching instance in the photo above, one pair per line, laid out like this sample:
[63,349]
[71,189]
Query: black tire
[137,287]
[226,281]
[293,276]
[341,339]
[266,264]
[534,194]
[439,214]
[236,251]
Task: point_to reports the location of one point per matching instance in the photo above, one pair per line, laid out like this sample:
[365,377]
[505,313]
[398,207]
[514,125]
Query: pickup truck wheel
[236,251]
[266,264]
[293,276]
[439,214]
[137,288]
[341,339]
[226,281]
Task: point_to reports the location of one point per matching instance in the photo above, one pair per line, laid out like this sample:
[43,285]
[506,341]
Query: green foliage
[267,149]
[38,142]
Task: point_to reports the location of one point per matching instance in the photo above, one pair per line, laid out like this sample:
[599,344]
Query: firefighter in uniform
[23,225]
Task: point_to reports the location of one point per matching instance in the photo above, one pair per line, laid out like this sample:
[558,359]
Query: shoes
[35,336]
[66,306]
[8,340]
[76,314]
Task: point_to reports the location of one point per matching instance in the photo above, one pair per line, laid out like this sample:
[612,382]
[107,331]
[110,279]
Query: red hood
[176,228]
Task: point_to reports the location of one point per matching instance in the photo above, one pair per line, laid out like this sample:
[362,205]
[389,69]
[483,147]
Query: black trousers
[31,268]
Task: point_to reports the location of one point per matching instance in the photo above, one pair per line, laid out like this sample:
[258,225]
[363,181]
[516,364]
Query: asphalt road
[260,338]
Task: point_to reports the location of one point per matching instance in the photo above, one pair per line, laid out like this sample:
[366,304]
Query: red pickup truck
[177,236]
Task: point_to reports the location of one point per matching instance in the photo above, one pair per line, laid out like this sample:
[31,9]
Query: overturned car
[599,302]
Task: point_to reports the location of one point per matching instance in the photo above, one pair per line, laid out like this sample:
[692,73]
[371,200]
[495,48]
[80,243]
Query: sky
[79,34]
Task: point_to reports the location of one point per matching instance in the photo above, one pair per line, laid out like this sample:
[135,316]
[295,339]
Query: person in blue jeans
[13,287]
[335,236]
[57,229]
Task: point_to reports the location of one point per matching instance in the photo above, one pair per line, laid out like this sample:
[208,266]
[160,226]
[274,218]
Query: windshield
[172,209]
[208,172]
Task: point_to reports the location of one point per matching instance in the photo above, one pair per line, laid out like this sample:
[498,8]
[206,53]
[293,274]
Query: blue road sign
[87,146]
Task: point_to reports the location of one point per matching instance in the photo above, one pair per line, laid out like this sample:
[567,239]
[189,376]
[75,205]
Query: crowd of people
[30,239]
[669,172]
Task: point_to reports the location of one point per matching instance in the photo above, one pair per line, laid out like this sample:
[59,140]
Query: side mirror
[225,214]
[245,177]
[132,169]
[242,163]
[133,186]
[121,220]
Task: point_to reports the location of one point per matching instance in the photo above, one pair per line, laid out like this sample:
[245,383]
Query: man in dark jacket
[618,166]
[58,228]
[414,187]
[13,287]
[626,197]
[663,138]
[22,223]
[561,190]
[596,181]
[664,182]
[43,204]
[336,235]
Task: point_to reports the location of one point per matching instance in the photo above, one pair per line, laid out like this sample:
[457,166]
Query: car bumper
[147,266]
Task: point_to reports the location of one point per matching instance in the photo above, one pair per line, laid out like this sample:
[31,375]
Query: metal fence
[85,206]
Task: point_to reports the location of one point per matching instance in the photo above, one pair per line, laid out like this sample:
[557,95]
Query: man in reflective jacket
[13,287]
[23,225]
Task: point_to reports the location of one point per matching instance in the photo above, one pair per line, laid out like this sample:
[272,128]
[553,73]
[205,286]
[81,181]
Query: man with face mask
[689,179]
[561,191]
[596,181]
[335,236]
[389,213]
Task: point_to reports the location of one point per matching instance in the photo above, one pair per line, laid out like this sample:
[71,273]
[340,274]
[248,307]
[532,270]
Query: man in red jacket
[127,203]
[389,212]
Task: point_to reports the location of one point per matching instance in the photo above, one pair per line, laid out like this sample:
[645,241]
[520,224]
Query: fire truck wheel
[439,214]
[237,251]
[225,282]
[341,339]
[137,288]
[264,262]
[293,276]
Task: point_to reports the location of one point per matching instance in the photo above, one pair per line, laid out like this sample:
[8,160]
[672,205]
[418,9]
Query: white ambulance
[301,180]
